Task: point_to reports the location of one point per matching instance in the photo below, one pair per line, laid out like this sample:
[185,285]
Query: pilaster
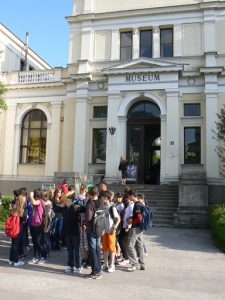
[178,48]
[156,42]
[172,136]
[136,43]
[53,140]
[115,45]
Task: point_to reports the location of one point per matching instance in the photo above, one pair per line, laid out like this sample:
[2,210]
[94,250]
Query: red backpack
[12,227]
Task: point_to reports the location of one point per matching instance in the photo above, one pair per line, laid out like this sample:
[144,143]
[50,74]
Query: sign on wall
[142,78]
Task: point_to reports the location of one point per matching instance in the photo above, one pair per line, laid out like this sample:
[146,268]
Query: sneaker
[124,262]
[146,254]
[19,264]
[111,269]
[68,269]
[104,267]
[142,268]
[132,269]
[77,270]
[33,261]
[10,262]
[90,276]
[42,260]
[98,276]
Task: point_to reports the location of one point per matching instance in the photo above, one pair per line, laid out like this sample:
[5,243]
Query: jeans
[46,244]
[73,249]
[14,250]
[135,247]
[21,239]
[36,233]
[57,232]
[94,253]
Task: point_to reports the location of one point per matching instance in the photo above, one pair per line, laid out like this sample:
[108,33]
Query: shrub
[217,224]
[4,211]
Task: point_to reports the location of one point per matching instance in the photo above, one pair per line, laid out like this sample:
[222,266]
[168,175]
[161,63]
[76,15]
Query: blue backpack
[147,217]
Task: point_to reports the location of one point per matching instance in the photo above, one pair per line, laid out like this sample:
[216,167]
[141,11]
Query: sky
[45,21]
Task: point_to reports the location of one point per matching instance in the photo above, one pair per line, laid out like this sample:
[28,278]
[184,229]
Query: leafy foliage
[219,135]
[4,210]
[217,224]
[3,104]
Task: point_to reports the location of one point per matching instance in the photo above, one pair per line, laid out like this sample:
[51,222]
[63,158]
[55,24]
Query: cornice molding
[142,12]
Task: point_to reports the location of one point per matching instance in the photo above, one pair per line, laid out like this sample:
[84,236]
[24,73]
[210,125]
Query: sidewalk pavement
[181,264]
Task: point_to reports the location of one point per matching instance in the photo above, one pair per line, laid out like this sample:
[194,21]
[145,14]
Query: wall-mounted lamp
[112,130]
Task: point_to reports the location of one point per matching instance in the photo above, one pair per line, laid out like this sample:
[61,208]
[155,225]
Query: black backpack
[99,223]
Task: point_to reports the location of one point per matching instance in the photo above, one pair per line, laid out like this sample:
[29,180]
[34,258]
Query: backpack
[147,217]
[111,213]
[13,227]
[99,223]
[51,216]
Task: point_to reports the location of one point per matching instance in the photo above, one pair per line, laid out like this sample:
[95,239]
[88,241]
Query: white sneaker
[68,269]
[77,270]
[124,262]
[33,261]
[42,261]
[132,269]
[10,262]
[19,264]
[111,269]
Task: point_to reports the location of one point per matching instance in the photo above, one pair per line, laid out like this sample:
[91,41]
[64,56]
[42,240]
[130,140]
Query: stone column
[115,45]
[163,149]
[178,49]
[172,136]
[136,43]
[16,155]
[113,141]
[81,145]
[212,161]
[156,42]
[53,140]
[9,140]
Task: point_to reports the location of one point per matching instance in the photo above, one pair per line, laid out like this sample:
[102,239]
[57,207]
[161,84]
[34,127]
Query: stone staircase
[163,199]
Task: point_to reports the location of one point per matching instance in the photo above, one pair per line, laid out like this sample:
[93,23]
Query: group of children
[81,222]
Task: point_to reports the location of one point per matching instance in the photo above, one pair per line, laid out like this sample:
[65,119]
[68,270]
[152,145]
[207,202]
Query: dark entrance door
[143,141]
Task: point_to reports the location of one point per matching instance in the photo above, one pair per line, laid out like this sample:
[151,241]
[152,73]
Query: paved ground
[182,264]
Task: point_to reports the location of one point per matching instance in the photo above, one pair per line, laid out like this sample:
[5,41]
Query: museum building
[145,79]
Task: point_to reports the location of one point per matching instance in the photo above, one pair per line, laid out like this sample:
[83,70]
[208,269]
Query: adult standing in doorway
[123,168]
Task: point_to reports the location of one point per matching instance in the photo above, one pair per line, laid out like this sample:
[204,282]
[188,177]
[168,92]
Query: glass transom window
[100,112]
[144,110]
[192,110]
[33,138]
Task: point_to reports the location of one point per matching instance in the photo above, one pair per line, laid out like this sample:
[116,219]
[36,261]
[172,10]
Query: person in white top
[109,238]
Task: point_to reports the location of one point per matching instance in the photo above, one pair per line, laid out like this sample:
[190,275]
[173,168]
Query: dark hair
[71,188]
[106,195]
[127,189]
[93,192]
[56,192]
[37,194]
[16,193]
[141,196]
[118,195]
[23,191]
[45,195]
[103,182]
[64,181]
[132,193]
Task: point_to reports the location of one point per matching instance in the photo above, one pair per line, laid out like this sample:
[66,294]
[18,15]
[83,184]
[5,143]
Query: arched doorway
[144,142]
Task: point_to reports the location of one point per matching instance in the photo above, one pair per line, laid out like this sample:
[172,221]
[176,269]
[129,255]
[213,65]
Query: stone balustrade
[36,77]
[32,77]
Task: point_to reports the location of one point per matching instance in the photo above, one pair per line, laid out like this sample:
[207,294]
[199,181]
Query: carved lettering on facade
[142,78]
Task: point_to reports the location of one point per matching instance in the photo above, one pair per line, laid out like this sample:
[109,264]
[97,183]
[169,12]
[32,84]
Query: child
[72,236]
[109,238]
[141,199]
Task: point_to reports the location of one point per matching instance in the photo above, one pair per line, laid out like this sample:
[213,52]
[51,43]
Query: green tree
[219,135]
[3,104]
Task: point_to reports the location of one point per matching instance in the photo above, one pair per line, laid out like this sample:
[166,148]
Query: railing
[36,77]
